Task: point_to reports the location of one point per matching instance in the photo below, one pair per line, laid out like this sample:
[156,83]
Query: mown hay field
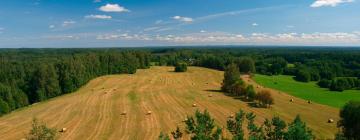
[96,111]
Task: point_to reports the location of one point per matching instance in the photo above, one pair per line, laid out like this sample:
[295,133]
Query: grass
[308,91]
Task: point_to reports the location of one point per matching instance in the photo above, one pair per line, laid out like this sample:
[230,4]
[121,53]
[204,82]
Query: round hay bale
[231,116]
[123,113]
[149,113]
[185,120]
[114,89]
[23,139]
[210,95]
[309,102]
[194,105]
[63,130]
[330,121]
[291,100]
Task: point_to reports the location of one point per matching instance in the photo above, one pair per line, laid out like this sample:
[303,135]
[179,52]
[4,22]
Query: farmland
[307,91]
[95,110]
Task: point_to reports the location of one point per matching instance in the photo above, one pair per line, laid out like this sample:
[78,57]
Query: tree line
[28,77]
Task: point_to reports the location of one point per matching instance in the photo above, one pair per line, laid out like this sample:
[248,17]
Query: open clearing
[307,91]
[94,111]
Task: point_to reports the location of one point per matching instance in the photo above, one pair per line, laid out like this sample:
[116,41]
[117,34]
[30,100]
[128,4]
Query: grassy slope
[94,112]
[308,91]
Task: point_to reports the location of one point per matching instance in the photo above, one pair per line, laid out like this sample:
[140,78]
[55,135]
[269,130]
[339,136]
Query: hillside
[94,111]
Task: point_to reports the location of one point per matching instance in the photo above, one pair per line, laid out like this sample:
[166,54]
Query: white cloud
[290,26]
[332,3]
[51,26]
[98,17]
[68,22]
[202,31]
[97,1]
[183,19]
[113,8]
[255,24]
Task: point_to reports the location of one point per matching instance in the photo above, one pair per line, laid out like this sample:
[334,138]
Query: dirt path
[91,114]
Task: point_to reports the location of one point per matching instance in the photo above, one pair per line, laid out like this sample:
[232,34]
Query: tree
[231,76]
[298,131]
[4,107]
[40,131]
[350,120]
[181,67]
[264,98]
[163,136]
[255,132]
[235,126]
[246,65]
[238,88]
[303,76]
[177,134]
[202,127]
[250,93]
[275,129]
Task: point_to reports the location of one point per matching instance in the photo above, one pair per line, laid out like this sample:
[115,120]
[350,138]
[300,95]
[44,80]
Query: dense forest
[28,76]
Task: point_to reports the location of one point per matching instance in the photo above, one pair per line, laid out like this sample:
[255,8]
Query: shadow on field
[242,98]
[213,90]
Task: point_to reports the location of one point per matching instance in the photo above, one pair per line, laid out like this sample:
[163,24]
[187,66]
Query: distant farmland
[307,91]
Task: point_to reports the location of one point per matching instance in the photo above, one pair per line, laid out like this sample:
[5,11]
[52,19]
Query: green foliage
[202,127]
[181,67]
[163,136]
[250,93]
[298,130]
[350,120]
[235,126]
[40,131]
[177,134]
[255,132]
[4,107]
[303,76]
[246,64]
[275,129]
[231,77]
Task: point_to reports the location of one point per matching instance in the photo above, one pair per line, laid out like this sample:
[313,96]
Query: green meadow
[309,91]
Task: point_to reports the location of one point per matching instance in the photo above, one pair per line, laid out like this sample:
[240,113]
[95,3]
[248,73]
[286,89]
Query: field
[94,111]
[308,91]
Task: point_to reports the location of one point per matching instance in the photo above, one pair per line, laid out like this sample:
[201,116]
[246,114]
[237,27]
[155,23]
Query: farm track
[92,114]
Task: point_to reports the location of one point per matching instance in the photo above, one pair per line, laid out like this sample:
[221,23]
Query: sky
[139,23]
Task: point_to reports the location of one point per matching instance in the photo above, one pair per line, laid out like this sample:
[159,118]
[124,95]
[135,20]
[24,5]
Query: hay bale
[63,130]
[330,121]
[210,95]
[185,120]
[309,102]
[257,86]
[194,105]
[114,89]
[148,113]
[23,139]
[231,116]
[123,113]
[291,100]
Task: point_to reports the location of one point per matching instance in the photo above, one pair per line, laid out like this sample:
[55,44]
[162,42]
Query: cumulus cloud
[255,24]
[113,8]
[51,26]
[332,3]
[98,17]
[183,19]
[68,22]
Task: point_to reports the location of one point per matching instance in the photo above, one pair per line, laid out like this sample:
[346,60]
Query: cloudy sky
[122,23]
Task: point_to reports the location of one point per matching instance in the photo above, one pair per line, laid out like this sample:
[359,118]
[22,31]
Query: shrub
[350,120]
[303,76]
[264,98]
[40,131]
[250,93]
[231,76]
[181,67]
[324,83]
[4,107]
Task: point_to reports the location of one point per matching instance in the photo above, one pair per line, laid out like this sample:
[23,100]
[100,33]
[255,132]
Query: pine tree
[202,127]
[235,126]
[298,130]
[231,76]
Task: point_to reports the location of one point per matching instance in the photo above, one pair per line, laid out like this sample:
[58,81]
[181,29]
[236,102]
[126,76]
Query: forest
[29,76]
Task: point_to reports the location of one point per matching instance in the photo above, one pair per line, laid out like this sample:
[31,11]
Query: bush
[4,107]
[181,67]
[350,120]
[231,76]
[250,93]
[264,98]
[40,131]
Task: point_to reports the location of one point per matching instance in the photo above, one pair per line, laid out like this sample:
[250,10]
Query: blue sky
[122,23]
